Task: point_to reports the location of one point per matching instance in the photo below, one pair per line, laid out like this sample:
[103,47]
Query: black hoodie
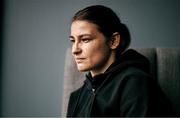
[124,89]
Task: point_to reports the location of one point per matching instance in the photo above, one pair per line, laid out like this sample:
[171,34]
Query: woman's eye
[72,40]
[86,40]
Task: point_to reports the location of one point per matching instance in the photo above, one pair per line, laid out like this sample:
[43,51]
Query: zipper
[93,90]
[92,99]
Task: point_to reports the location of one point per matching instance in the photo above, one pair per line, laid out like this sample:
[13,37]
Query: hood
[129,58]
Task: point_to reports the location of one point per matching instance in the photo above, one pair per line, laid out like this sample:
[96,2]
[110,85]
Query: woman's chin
[82,69]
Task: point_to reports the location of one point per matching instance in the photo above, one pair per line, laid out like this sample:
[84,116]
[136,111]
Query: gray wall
[36,37]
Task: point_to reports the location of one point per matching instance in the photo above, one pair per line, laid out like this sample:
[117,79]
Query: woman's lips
[79,60]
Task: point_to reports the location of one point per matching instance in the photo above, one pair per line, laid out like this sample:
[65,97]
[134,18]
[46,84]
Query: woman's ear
[115,40]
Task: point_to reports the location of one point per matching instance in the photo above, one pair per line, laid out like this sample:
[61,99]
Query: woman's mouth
[79,60]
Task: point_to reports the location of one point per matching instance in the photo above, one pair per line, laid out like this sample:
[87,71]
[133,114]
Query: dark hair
[107,22]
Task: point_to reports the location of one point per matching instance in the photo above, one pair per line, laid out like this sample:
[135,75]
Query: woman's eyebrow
[71,37]
[82,35]
[86,35]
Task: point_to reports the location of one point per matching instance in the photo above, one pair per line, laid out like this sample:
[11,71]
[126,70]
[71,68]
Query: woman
[118,81]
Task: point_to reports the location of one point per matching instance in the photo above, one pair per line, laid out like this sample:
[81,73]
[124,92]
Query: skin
[90,49]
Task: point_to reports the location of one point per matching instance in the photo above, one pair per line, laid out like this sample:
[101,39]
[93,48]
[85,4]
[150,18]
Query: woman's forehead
[83,28]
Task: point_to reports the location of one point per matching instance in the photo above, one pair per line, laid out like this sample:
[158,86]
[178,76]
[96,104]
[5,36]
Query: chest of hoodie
[105,99]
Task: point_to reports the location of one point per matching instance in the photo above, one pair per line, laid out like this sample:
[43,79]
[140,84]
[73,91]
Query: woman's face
[89,47]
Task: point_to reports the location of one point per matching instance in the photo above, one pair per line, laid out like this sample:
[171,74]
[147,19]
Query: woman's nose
[76,49]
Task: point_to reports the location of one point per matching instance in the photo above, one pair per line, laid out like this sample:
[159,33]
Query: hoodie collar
[130,58]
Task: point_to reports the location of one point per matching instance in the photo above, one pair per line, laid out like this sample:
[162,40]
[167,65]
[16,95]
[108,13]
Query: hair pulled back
[107,22]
